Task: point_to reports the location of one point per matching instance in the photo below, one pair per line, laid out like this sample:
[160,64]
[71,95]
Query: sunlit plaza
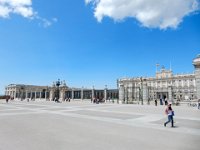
[82,125]
[100,75]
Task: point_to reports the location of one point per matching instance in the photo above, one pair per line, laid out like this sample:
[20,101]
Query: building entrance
[162,95]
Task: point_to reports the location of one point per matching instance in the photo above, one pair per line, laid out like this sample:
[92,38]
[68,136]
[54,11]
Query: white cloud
[46,23]
[4,11]
[150,13]
[23,8]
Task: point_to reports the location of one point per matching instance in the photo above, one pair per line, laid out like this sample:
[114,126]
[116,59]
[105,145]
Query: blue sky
[66,40]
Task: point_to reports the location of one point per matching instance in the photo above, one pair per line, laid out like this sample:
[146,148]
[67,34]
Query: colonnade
[31,95]
[85,94]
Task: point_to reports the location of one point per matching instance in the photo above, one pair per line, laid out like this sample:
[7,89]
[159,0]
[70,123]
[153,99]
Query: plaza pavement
[81,125]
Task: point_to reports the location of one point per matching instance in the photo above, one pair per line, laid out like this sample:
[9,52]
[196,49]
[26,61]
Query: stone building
[21,91]
[165,85]
[196,63]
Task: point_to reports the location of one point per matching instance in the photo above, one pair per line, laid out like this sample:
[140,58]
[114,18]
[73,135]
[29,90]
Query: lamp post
[57,91]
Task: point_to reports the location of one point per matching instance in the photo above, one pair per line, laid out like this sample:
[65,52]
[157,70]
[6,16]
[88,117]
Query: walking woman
[170,113]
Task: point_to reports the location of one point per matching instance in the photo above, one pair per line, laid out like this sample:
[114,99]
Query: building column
[51,95]
[130,93]
[121,93]
[170,94]
[105,93]
[134,92]
[196,63]
[40,95]
[15,94]
[31,95]
[92,92]
[126,94]
[10,93]
[35,94]
[82,93]
[72,94]
[45,95]
[145,92]
[26,95]
[138,94]
[62,95]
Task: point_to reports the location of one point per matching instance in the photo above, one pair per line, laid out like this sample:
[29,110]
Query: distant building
[21,91]
[165,85]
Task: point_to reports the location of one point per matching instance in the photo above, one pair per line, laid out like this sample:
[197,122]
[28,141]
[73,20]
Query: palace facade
[165,85]
[62,92]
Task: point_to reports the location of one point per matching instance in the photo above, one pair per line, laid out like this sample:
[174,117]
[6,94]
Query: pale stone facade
[165,85]
[21,91]
[196,63]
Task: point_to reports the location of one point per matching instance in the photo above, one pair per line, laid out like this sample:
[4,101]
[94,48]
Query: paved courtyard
[84,126]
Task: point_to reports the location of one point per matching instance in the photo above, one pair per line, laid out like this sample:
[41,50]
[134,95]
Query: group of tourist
[162,101]
[65,100]
[97,100]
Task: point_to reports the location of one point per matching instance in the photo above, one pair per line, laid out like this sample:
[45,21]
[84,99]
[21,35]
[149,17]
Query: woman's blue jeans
[170,119]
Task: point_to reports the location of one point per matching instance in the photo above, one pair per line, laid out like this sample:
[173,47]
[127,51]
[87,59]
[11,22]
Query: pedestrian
[199,104]
[94,100]
[161,101]
[170,113]
[55,99]
[148,102]
[7,99]
[166,102]
[156,102]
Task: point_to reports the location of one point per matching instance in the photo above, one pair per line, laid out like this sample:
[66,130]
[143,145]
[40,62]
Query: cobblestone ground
[84,126]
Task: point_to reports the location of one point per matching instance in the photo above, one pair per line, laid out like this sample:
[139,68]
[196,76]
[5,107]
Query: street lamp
[57,95]
[105,94]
